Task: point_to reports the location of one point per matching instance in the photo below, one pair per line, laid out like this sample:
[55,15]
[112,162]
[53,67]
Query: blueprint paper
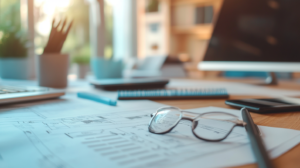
[76,133]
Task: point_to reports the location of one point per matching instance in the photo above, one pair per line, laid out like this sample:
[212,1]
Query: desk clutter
[75,132]
[52,65]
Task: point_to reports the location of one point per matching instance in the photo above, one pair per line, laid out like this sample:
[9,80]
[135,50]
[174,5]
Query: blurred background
[151,37]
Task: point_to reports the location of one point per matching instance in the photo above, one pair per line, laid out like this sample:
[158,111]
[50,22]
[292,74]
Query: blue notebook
[171,94]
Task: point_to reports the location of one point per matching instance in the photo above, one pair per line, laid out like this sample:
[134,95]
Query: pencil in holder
[52,70]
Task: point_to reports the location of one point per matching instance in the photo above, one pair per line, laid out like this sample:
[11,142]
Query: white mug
[52,70]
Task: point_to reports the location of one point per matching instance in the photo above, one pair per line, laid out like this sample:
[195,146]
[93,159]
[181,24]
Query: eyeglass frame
[237,122]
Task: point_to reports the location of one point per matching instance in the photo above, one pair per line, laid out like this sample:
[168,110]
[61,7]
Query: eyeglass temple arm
[185,115]
[190,115]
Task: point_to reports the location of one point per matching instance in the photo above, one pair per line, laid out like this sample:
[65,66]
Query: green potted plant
[13,45]
[82,61]
[83,65]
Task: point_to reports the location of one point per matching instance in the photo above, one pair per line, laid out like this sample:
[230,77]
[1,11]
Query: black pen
[258,148]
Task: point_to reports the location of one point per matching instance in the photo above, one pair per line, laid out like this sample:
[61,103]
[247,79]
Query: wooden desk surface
[290,120]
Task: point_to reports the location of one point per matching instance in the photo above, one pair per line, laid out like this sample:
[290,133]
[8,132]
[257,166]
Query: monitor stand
[271,79]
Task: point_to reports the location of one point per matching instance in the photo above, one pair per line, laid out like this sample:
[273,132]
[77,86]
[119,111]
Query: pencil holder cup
[52,70]
[103,68]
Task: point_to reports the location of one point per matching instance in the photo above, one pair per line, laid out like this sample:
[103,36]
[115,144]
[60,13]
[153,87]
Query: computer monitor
[255,35]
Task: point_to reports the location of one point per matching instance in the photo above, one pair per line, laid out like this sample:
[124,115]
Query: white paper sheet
[233,88]
[79,133]
[243,154]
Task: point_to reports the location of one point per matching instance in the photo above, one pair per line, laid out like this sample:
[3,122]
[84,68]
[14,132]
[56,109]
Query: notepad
[171,94]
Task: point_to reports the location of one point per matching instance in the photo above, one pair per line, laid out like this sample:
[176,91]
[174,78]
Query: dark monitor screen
[256,30]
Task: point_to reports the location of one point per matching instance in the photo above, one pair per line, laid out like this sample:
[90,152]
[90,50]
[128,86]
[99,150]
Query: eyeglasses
[211,126]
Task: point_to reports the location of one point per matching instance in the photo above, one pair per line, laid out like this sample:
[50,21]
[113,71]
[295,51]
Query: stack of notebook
[172,94]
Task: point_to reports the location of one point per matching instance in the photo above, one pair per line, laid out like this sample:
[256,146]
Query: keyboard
[15,94]
[16,89]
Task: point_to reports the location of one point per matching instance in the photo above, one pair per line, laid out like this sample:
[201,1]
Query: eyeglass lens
[213,126]
[165,119]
